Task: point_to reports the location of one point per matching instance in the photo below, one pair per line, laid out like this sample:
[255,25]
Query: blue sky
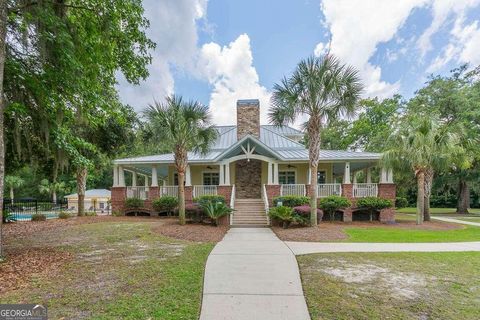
[219,51]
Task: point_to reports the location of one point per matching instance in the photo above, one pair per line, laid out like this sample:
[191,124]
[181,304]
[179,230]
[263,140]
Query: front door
[248,179]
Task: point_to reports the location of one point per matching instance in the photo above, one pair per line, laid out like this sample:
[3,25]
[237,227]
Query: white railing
[199,191]
[265,202]
[361,190]
[137,192]
[169,191]
[232,203]
[292,189]
[329,189]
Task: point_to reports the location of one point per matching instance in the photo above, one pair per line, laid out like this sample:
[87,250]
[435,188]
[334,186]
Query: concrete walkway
[325,247]
[453,220]
[251,274]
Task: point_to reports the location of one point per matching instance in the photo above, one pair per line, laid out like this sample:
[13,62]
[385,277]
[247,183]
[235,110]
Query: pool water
[28,216]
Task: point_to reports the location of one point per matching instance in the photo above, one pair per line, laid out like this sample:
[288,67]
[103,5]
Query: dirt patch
[190,231]
[335,231]
[22,265]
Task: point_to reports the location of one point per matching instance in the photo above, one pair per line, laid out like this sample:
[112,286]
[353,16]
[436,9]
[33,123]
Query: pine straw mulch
[334,231]
[23,265]
[191,231]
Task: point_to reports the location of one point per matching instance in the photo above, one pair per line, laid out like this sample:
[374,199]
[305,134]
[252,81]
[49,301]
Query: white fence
[137,192]
[265,203]
[361,190]
[199,191]
[329,189]
[292,190]
[169,191]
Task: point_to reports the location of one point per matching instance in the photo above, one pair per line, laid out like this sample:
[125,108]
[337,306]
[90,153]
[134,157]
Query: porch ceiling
[339,167]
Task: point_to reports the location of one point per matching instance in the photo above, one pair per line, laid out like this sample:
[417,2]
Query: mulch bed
[334,231]
[21,265]
[191,232]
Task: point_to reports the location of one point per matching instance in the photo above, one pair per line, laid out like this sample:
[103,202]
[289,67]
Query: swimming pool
[28,216]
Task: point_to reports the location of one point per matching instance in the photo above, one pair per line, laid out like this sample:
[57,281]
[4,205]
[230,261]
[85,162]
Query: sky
[219,51]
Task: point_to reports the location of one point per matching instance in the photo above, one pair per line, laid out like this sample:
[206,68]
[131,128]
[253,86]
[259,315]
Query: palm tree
[322,89]
[181,126]
[422,144]
[13,182]
[51,189]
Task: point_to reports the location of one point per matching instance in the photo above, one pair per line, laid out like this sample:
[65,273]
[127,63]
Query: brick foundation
[273,190]
[225,191]
[118,195]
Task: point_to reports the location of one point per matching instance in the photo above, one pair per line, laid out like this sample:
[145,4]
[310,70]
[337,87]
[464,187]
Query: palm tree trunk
[313,195]
[3,35]
[11,195]
[54,197]
[420,196]
[428,191]
[81,186]
[463,201]
[313,129]
[181,196]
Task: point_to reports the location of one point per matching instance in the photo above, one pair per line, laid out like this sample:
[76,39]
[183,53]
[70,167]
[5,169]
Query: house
[97,200]
[250,164]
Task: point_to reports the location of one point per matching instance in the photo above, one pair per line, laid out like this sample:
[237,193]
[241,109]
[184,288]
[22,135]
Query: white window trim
[288,170]
[212,171]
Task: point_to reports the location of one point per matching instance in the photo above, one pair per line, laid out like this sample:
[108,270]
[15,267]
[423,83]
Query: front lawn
[117,269]
[440,286]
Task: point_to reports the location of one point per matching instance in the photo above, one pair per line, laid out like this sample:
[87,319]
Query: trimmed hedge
[401,202]
[165,203]
[331,204]
[373,204]
[291,201]
[134,203]
[203,200]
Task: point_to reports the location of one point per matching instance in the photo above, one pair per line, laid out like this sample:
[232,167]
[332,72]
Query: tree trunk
[11,195]
[3,34]
[463,200]
[420,196]
[428,191]
[54,196]
[181,196]
[81,186]
[313,129]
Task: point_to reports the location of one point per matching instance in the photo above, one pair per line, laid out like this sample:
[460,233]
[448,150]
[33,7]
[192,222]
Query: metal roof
[93,193]
[274,139]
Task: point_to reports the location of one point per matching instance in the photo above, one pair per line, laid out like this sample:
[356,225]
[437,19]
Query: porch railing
[232,203]
[199,191]
[361,190]
[137,192]
[169,191]
[292,190]
[265,202]
[329,189]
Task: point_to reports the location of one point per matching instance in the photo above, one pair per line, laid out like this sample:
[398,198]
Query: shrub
[39,217]
[165,203]
[215,210]
[194,212]
[90,214]
[8,217]
[117,213]
[291,201]
[304,213]
[64,215]
[206,199]
[133,203]
[372,204]
[287,215]
[401,202]
[331,204]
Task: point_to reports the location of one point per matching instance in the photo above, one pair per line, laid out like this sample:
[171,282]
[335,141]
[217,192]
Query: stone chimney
[248,118]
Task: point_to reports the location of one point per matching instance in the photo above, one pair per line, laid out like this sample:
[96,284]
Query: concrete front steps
[249,213]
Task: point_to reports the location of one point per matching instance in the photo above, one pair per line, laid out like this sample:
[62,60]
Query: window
[286,177]
[102,205]
[175,179]
[211,179]
[321,177]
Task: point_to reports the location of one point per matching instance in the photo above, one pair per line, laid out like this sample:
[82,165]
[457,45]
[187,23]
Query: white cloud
[320,49]
[229,69]
[357,27]
[173,28]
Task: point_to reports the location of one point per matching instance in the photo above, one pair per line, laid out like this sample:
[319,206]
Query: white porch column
[134,179]
[368,175]
[146,180]
[346,174]
[164,182]
[390,176]
[188,177]
[309,175]
[355,177]
[269,173]
[222,174]
[227,174]
[154,177]
[383,175]
[121,177]
[275,173]
[115,175]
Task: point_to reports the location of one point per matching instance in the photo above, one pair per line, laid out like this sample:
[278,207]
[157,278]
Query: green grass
[120,271]
[437,210]
[443,286]
[385,234]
